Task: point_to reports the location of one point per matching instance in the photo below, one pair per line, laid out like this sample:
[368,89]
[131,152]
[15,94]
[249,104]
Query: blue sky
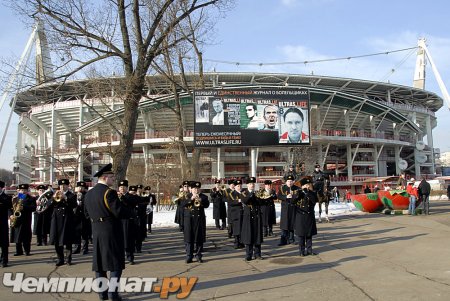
[262,31]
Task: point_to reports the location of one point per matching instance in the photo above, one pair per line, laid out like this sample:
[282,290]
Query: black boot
[266,232]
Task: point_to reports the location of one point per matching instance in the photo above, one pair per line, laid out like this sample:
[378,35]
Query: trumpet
[197,201]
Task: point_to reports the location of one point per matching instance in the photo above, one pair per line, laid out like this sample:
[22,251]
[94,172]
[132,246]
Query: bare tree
[126,36]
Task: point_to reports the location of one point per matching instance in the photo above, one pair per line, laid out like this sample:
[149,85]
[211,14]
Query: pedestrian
[413,196]
[424,192]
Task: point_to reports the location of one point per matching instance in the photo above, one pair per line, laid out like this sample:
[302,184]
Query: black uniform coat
[78,217]
[218,200]
[227,198]
[62,230]
[129,220]
[151,202]
[252,224]
[305,220]
[269,214]
[43,219]
[287,220]
[5,210]
[105,211]
[179,213]
[236,211]
[194,219]
[22,232]
[141,211]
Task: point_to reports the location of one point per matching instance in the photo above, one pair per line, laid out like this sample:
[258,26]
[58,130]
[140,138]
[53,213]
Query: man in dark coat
[62,229]
[24,205]
[305,221]
[5,208]
[319,180]
[83,227]
[151,203]
[252,224]
[42,215]
[141,212]
[180,211]
[129,221]
[103,207]
[194,222]
[268,210]
[290,172]
[219,209]
[288,195]
[227,198]
[237,211]
[424,192]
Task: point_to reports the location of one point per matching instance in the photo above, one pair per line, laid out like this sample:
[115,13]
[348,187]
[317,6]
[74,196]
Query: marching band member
[5,207]
[305,221]
[268,211]
[23,207]
[42,215]
[288,195]
[83,227]
[151,202]
[62,227]
[252,227]
[194,222]
[141,218]
[184,190]
[129,221]
[219,208]
[236,209]
[227,196]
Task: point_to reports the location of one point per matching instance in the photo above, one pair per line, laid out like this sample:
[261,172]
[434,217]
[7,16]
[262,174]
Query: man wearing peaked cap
[5,208]
[219,207]
[21,232]
[227,198]
[42,219]
[141,218]
[83,227]
[236,213]
[63,182]
[194,219]
[320,181]
[268,211]
[123,183]
[105,210]
[288,196]
[305,221]
[107,169]
[251,180]
[151,201]
[179,213]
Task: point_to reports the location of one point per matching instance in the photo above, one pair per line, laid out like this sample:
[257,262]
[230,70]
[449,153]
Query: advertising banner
[251,117]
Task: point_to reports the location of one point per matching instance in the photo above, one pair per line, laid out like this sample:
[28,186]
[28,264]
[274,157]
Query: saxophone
[17,205]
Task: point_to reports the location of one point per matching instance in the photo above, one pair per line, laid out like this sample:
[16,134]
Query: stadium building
[358,129]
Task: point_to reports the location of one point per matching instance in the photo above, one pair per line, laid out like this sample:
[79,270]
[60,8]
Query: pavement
[361,257]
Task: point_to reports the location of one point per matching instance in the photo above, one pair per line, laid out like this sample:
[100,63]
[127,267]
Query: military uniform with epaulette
[194,222]
[252,224]
[129,219]
[305,220]
[227,197]
[269,216]
[236,213]
[288,196]
[219,208]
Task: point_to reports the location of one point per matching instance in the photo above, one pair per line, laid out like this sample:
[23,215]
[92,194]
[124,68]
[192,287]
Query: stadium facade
[358,129]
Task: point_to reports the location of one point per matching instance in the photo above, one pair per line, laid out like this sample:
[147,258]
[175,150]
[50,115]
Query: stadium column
[428,129]
[349,162]
[80,145]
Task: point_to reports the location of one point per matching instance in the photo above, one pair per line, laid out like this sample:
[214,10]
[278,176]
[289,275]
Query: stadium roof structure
[362,97]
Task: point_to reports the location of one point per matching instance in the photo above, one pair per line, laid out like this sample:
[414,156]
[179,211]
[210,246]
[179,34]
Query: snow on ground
[165,218]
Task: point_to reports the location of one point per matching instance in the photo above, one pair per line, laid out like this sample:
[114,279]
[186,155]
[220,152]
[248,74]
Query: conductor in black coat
[219,208]
[252,224]
[288,196]
[21,232]
[194,222]
[105,210]
[5,208]
[305,221]
[62,227]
